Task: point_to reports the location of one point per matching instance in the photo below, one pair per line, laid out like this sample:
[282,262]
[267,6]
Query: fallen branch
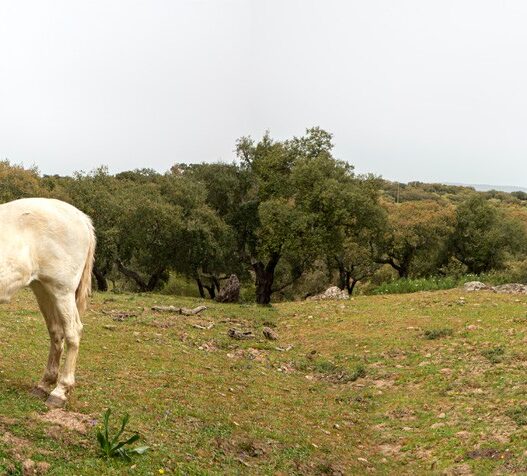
[179,310]
[122,315]
[240,335]
[269,333]
[207,327]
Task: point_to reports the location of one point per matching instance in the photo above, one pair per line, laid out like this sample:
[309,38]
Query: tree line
[279,211]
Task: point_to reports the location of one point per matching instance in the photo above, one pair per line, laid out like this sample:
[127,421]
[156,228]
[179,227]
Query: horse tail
[83,291]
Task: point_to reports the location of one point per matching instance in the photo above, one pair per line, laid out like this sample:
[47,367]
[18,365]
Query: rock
[269,333]
[475,286]
[513,288]
[333,293]
[231,291]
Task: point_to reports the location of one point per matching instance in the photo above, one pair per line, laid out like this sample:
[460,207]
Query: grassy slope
[231,407]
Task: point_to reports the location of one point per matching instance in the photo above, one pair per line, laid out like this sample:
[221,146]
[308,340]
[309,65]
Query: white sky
[432,90]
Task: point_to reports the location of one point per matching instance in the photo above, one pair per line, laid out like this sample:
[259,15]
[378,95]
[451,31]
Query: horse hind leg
[56,336]
[72,327]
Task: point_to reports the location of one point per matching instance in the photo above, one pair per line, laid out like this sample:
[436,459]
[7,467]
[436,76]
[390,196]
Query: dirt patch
[247,449]
[30,467]
[19,449]
[8,421]
[389,449]
[70,420]
[320,468]
[19,444]
[209,346]
[401,414]
[286,368]
[459,470]
[489,453]
[250,353]
[163,323]
[380,383]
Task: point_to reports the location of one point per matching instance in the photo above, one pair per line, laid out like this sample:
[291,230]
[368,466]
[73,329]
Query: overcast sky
[432,90]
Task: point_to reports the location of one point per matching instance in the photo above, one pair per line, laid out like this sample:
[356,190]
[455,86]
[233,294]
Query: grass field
[427,383]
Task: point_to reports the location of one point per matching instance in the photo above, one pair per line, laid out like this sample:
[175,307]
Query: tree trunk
[139,281]
[402,269]
[132,275]
[200,288]
[351,285]
[403,272]
[264,284]
[211,290]
[216,283]
[154,280]
[343,275]
[100,278]
[265,279]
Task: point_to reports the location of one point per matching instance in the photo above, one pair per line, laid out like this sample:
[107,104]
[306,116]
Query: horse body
[49,245]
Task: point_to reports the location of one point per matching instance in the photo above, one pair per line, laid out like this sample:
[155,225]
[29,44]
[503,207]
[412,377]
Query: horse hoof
[39,393]
[55,402]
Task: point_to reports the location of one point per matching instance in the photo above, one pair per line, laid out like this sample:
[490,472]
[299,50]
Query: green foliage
[111,446]
[18,182]
[288,219]
[299,206]
[484,236]
[520,195]
[416,236]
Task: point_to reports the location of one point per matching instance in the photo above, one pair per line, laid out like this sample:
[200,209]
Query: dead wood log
[240,335]
[179,310]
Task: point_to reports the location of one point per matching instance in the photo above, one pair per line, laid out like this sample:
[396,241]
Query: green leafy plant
[112,447]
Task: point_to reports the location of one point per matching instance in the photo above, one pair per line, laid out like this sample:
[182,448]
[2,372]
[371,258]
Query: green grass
[495,354]
[432,334]
[438,283]
[349,386]
[405,286]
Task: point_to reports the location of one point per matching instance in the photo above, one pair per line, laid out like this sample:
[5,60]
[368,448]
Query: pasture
[428,383]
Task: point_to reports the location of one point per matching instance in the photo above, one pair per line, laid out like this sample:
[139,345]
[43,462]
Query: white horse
[49,245]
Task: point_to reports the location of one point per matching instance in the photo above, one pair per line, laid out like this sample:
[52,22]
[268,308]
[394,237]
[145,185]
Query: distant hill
[487,187]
